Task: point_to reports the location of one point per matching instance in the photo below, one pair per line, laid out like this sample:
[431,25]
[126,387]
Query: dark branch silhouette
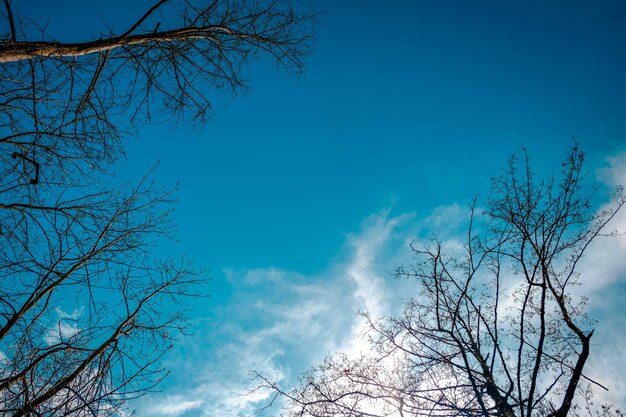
[86,310]
[493,330]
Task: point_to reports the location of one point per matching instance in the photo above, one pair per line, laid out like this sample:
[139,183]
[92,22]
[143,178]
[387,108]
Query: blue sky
[403,104]
[301,195]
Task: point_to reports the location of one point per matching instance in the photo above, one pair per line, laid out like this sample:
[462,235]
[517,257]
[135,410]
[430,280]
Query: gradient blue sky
[301,195]
[404,103]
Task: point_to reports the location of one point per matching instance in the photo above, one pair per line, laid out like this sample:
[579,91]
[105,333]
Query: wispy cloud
[604,264]
[281,322]
[603,277]
[175,405]
[65,327]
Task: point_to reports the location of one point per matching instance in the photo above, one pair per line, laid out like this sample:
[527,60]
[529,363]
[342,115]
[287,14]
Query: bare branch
[454,350]
[7,5]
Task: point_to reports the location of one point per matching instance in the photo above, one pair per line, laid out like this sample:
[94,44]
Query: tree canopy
[495,328]
[86,309]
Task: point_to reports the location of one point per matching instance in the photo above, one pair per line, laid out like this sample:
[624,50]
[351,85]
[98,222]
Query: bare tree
[66,105]
[86,311]
[497,329]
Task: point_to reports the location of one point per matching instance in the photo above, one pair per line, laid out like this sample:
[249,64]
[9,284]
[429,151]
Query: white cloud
[607,360]
[447,220]
[175,405]
[65,326]
[605,263]
[603,273]
[74,315]
[614,172]
[60,332]
[281,322]
[364,266]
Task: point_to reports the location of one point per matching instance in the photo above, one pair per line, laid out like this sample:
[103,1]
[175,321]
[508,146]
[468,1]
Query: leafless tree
[496,329]
[66,105]
[86,311]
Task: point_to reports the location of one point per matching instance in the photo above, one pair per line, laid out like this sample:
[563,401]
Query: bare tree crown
[494,330]
[86,311]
